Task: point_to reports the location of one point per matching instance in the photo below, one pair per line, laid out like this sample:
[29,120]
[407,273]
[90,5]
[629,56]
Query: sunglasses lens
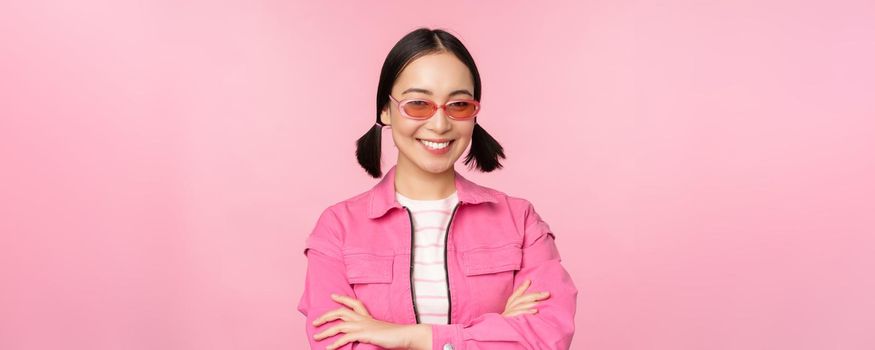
[419,108]
[462,109]
[424,109]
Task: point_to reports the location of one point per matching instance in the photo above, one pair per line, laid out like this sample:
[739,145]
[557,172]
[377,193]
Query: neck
[415,183]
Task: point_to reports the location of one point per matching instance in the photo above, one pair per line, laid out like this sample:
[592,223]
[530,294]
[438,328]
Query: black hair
[485,150]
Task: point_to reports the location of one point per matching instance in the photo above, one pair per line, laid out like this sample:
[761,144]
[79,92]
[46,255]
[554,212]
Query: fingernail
[333,295]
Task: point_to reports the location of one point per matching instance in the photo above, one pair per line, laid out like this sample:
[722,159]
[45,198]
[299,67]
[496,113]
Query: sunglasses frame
[401,103]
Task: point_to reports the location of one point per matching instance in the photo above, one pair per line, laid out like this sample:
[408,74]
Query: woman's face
[439,77]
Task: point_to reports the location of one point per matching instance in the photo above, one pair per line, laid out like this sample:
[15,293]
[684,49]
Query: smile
[436,145]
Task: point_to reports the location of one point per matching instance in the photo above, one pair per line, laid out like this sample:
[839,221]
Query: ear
[384,117]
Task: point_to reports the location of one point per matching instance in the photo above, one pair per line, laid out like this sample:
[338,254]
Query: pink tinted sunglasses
[421,108]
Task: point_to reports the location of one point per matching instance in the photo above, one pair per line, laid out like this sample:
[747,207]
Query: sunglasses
[421,109]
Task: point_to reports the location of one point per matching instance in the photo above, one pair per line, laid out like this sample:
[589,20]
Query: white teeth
[435,145]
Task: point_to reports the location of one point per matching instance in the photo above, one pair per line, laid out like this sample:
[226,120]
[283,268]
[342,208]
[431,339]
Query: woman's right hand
[519,303]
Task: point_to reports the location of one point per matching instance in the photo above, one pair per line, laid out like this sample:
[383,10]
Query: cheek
[465,140]
[403,127]
[403,134]
[403,140]
[461,145]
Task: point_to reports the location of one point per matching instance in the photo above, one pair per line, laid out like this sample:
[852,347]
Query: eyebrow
[427,92]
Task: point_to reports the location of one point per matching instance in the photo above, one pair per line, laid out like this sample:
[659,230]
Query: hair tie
[378,124]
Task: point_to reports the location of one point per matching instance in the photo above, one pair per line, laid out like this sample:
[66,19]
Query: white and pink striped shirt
[430,220]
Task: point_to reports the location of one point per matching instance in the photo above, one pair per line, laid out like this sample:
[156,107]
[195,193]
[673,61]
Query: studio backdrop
[706,166]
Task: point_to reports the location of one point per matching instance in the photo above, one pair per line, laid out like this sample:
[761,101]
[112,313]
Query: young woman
[427,259]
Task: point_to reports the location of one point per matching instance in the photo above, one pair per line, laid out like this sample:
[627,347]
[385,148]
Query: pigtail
[485,150]
[368,151]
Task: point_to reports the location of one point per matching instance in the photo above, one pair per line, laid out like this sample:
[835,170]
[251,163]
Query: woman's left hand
[358,325]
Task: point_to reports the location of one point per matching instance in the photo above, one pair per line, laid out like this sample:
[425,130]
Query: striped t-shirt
[430,220]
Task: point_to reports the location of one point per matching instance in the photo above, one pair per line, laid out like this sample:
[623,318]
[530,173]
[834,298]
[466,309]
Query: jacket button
[448,346]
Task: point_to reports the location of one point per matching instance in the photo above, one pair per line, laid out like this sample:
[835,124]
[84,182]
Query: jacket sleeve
[551,328]
[326,274]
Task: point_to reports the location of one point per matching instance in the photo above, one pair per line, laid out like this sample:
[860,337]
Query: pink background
[706,166]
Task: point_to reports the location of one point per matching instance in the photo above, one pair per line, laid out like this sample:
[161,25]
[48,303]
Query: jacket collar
[382,195]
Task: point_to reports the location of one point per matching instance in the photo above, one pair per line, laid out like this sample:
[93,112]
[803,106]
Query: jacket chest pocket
[364,268]
[370,277]
[490,273]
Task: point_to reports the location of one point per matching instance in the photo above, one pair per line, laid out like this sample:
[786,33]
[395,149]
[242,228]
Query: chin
[437,168]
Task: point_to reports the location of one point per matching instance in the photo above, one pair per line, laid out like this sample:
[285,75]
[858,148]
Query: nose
[439,122]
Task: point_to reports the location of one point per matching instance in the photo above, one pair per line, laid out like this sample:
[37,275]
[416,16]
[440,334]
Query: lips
[437,140]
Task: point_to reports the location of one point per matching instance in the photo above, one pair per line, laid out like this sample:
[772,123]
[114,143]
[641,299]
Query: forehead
[441,72]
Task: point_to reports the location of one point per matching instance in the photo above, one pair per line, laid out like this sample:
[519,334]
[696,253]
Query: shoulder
[522,210]
[518,205]
[330,230]
[332,215]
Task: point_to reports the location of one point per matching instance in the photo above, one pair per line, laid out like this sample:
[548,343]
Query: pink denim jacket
[361,247]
